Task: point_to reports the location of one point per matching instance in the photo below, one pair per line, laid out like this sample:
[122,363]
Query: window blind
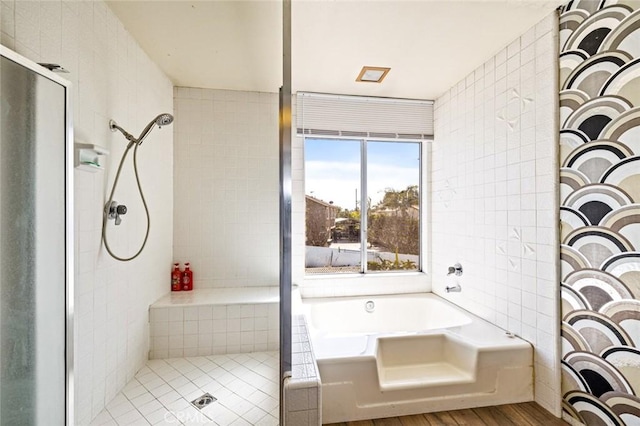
[359,116]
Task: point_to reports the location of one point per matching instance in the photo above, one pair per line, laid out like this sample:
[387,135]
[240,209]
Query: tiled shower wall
[494,202]
[112,78]
[226,186]
[600,215]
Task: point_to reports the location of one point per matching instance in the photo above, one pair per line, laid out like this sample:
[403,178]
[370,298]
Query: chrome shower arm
[114,126]
[161,120]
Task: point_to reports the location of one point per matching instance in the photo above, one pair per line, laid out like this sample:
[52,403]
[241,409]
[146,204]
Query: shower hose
[144,203]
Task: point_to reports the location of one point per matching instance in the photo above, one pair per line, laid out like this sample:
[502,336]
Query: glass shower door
[33,246]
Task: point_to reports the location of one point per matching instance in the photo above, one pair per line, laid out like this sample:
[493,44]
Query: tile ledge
[219,296]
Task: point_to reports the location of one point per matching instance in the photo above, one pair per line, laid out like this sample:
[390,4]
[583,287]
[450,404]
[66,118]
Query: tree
[404,199]
[393,222]
[397,233]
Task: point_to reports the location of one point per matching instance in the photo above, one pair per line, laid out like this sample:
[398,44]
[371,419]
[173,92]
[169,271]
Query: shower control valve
[455,269]
[114,210]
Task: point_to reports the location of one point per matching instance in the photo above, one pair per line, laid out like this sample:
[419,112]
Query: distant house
[320,221]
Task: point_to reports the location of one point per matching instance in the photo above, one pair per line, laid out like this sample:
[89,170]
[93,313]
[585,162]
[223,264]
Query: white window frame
[422,188]
[322,285]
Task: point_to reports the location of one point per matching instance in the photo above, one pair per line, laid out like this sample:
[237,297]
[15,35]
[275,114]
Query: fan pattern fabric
[600,210]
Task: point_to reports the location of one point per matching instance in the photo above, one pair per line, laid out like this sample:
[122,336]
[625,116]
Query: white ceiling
[429,44]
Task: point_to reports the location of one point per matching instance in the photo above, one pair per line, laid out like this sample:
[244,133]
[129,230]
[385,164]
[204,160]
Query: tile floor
[246,387]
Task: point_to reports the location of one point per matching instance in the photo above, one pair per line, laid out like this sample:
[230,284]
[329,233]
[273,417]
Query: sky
[332,169]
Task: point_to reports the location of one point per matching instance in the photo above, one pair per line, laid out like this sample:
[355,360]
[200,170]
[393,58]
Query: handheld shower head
[164,119]
[161,120]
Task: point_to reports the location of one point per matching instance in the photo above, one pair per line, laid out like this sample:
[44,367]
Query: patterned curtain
[600,210]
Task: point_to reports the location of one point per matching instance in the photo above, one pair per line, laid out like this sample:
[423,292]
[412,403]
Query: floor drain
[203,401]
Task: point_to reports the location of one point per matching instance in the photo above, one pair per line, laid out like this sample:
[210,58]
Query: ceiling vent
[373,74]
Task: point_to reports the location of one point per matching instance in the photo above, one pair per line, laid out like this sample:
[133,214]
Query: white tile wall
[213,329]
[495,203]
[112,78]
[226,186]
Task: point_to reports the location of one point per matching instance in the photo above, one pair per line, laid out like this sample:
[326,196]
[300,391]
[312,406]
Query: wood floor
[526,414]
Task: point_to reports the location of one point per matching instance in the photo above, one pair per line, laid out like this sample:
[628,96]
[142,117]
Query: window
[343,178]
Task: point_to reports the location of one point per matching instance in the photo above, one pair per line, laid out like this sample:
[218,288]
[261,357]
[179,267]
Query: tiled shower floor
[246,387]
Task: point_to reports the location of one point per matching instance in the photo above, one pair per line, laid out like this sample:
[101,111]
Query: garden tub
[382,356]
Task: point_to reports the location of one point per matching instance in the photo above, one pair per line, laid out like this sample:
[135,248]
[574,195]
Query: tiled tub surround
[303,390]
[214,321]
[375,363]
[495,196]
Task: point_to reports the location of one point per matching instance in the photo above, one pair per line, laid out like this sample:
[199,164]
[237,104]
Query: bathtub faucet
[453,289]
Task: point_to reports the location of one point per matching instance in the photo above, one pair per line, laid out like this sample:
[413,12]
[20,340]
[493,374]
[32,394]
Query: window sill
[364,284]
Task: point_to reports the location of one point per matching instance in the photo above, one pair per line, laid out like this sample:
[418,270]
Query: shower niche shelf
[89,157]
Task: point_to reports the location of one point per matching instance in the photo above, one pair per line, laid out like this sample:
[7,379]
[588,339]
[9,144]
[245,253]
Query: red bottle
[176,278]
[187,278]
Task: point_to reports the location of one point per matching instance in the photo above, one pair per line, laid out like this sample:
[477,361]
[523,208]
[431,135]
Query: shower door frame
[285,184]
[69,221]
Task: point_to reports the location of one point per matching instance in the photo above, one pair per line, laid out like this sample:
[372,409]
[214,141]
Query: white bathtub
[382,356]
